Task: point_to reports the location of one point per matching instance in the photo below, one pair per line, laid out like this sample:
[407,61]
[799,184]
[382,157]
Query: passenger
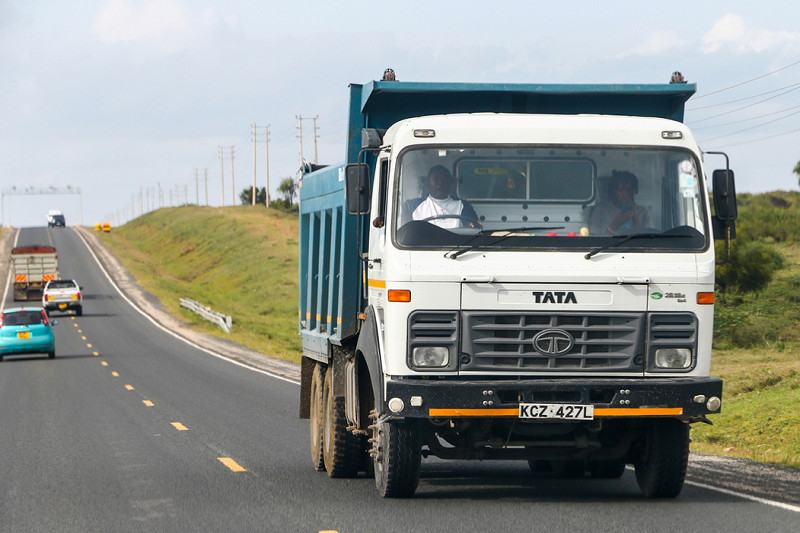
[619,211]
[438,207]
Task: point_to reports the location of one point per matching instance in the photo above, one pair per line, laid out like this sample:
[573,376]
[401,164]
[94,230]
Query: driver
[438,207]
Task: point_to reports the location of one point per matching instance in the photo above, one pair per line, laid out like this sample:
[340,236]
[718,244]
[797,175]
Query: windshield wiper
[634,236]
[509,233]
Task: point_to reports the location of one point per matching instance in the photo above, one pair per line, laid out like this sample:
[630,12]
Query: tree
[246,196]
[288,188]
[797,171]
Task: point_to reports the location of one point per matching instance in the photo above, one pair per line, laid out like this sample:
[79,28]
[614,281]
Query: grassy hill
[242,261]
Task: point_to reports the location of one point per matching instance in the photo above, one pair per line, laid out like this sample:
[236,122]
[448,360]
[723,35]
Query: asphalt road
[130,429]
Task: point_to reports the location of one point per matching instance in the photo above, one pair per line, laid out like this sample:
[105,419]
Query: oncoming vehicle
[55,218]
[26,330]
[62,295]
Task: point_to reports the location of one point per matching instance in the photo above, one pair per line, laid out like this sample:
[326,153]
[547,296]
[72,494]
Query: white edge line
[8,280]
[169,331]
[781,505]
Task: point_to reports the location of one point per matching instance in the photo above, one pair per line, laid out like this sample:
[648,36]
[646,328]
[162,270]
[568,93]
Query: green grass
[240,261]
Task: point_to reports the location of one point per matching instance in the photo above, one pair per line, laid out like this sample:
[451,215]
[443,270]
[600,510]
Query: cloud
[731,31]
[162,26]
[657,43]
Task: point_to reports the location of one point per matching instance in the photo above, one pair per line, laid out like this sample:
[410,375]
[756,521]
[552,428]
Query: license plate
[23,334]
[556,410]
[62,306]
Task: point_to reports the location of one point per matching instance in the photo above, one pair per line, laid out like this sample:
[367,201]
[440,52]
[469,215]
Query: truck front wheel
[317,416]
[397,454]
[341,449]
[661,469]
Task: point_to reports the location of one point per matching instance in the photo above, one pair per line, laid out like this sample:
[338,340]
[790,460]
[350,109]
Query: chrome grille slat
[603,342]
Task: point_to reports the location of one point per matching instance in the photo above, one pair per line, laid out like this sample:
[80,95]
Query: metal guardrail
[225,322]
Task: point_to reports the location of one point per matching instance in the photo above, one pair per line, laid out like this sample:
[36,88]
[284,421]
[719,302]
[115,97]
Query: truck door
[376,281]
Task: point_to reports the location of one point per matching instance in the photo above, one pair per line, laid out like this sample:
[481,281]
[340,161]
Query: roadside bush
[750,268]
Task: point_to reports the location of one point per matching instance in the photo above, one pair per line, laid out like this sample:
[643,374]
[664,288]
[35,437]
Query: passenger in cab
[619,212]
[438,207]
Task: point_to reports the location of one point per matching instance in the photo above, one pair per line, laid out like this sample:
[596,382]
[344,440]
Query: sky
[118,97]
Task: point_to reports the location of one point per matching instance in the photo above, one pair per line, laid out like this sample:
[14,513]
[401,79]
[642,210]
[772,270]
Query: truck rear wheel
[661,469]
[341,449]
[397,454]
[316,416]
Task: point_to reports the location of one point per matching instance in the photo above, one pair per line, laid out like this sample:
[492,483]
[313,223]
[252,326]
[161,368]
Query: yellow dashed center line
[129,387]
[103,363]
[74,325]
[95,353]
[115,374]
[230,463]
[148,403]
[180,427]
[89,345]
[84,338]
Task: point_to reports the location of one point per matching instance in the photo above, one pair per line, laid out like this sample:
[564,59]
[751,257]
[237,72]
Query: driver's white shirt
[433,207]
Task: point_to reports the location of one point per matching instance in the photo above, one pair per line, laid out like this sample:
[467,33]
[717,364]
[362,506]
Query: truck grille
[603,342]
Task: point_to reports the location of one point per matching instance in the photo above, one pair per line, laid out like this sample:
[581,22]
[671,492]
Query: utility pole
[141,203]
[254,166]
[222,173]
[316,161]
[233,182]
[205,179]
[170,197]
[133,206]
[266,147]
[196,188]
[300,118]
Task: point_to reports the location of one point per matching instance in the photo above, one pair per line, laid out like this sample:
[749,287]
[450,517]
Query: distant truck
[55,218]
[518,272]
[32,267]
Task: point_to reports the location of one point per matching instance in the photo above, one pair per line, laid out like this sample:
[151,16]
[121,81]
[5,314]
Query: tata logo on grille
[553,342]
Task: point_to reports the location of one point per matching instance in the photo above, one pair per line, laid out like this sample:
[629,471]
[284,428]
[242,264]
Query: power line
[745,119]
[744,107]
[746,82]
[751,128]
[741,99]
[750,141]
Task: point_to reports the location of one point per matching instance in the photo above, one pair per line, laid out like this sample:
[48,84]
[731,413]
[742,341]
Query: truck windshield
[549,197]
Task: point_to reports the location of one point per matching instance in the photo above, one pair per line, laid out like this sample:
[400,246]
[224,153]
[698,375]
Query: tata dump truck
[32,267]
[517,272]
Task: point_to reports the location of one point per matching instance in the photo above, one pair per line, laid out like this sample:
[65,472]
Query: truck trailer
[511,271]
[32,267]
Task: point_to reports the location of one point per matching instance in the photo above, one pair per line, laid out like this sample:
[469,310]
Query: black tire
[316,416]
[661,469]
[397,454]
[341,449]
[51,355]
[79,311]
[572,469]
[612,469]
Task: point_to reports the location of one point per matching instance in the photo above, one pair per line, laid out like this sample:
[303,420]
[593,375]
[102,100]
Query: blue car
[26,330]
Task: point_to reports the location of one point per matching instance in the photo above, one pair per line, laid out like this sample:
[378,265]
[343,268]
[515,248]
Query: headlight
[673,357]
[430,356]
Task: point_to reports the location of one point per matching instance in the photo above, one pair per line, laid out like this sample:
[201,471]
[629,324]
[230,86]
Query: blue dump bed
[330,271]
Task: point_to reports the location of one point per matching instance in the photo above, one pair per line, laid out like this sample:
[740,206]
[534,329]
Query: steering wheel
[476,223]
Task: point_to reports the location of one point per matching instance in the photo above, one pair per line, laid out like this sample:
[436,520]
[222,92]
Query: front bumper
[611,398]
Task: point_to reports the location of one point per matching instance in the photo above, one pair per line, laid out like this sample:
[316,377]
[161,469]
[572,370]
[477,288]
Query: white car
[62,295]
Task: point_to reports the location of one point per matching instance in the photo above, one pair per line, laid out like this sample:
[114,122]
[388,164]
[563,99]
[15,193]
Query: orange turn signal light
[705,298]
[396,295]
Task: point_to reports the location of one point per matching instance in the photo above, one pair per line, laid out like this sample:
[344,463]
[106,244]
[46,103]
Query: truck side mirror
[724,195]
[357,196]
